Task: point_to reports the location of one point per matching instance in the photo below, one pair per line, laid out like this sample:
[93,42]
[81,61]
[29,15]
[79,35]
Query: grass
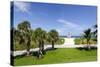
[83,41]
[62,55]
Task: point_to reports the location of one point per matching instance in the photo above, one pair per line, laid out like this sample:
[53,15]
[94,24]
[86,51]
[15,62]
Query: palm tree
[95,32]
[87,35]
[25,28]
[53,36]
[16,35]
[44,37]
[40,36]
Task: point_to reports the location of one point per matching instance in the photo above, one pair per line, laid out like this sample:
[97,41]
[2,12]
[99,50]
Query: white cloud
[68,26]
[71,25]
[22,6]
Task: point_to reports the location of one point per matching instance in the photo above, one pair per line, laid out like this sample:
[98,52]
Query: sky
[62,17]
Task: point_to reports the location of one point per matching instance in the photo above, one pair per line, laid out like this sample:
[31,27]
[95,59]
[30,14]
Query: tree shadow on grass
[20,56]
[50,49]
[86,48]
[34,53]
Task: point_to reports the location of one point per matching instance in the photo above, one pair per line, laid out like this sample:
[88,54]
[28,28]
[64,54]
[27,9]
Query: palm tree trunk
[39,45]
[28,48]
[52,44]
[28,51]
[40,49]
[43,51]
[88,45]
[42,45]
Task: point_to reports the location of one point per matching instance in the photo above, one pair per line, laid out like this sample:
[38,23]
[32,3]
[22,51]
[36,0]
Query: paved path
[65,45]
[69,41]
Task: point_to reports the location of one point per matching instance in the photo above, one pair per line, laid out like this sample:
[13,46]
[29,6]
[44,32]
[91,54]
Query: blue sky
[62,17]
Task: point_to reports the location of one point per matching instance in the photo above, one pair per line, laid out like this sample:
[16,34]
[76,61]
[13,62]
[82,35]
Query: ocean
[72,36]
[75,36]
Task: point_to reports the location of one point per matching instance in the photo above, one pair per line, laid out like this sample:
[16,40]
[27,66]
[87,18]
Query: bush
[83,41]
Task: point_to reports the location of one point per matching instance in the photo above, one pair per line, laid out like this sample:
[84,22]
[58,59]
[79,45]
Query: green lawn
[62,55]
